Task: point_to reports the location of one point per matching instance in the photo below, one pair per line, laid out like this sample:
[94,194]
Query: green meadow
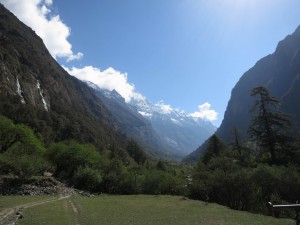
[133,210]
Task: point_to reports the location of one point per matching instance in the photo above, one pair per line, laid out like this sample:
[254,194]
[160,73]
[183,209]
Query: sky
[185,54]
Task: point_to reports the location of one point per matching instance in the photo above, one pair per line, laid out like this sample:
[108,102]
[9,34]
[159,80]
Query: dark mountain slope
[35,90]
[279,72]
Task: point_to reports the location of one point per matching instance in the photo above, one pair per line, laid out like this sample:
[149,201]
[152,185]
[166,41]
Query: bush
[87,178]
[67,157]
[22,153]
[116,179]
[159,182]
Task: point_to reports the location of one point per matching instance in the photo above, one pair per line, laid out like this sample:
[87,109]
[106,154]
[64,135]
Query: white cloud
[37,15]
[108,79]
[164,108]
[205,113]
[54,32]
[145,114]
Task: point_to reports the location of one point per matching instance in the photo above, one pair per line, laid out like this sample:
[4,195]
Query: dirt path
[11,215]
[75,211]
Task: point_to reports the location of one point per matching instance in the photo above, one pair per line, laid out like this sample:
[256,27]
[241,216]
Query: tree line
[255,168]
[111,169]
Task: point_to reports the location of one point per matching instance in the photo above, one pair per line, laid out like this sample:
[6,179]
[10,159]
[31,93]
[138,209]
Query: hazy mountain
[280,73]
[178,129]
[172,133]
[134,125]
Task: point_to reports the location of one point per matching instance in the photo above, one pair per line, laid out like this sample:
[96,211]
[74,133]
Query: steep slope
[35,90]
[134,125]
[279,72]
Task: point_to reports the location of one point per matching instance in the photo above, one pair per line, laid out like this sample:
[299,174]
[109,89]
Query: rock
[44,186]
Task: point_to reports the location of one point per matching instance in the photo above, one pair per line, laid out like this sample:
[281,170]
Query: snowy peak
[179,129]
[107,93]
[178,116]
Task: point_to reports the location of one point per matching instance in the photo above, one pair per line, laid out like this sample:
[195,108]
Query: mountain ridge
[37,91]
[279,72]
[154,119]
[179,129]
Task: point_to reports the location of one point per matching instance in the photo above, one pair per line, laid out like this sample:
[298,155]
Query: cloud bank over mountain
[54,32]
[109,79]
[37,15]
[205,112]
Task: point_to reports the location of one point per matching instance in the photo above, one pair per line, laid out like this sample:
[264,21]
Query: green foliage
[87,178]
[67,157]
[161,166]
[22,153]
[269,128]
[111,170]
[135,151]
[215,147]
[222,180]
[249,173]
[161,182]
[117,179]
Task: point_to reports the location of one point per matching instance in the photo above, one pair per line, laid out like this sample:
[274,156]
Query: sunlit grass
[162,210]
[12,201]
[58,213]
[140,210]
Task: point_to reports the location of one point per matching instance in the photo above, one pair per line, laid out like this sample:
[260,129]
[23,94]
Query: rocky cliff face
[279,72]
[37,91]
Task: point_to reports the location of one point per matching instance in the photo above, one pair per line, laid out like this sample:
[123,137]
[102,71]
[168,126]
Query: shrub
[87,178]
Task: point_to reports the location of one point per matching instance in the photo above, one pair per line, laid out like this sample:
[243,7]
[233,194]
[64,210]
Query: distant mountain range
[37,91]
[178,129]
[280,73]
[172,130]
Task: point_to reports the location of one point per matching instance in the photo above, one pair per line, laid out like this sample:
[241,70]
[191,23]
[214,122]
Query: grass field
[139,210]
[13,201]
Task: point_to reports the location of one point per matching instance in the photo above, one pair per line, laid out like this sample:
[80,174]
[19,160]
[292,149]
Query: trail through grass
[57,212]
[9,205]
[12,201]
[140,210]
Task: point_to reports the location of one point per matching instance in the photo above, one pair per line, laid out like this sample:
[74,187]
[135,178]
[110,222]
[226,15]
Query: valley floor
[124,210]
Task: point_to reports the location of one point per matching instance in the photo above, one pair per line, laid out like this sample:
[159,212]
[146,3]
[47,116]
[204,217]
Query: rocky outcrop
[43,186]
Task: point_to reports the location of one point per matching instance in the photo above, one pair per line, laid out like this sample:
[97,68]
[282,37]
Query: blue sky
[184,52]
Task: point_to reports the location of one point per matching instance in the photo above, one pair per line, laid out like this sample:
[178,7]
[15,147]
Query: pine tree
[270,127]
[214,148]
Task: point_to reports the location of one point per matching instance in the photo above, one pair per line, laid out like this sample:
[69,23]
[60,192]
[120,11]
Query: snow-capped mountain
[159,126]
[178,129]
[133,125]
[175,130]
